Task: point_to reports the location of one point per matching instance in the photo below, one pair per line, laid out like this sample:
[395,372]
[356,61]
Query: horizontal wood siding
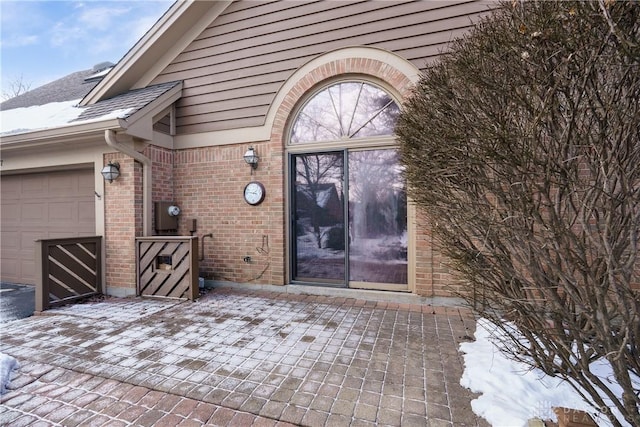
[233,70]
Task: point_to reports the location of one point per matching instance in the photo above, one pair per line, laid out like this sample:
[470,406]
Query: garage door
[42,206]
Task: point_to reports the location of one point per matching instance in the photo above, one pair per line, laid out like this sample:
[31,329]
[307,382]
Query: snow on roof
[72,86]
[47,116]
[98,75]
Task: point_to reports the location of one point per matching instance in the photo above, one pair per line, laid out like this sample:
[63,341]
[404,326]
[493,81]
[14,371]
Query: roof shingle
[67,88]
[133,100]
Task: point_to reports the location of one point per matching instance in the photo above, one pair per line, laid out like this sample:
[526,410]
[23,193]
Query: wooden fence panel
[67,270]
[167,266]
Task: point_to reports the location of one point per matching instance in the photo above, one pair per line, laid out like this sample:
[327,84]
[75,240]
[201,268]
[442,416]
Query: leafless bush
[16,86]
[522,145]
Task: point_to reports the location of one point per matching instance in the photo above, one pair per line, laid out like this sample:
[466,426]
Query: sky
[41,41]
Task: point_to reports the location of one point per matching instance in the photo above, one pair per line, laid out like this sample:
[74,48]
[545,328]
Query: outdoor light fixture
[111,171]
[251,158]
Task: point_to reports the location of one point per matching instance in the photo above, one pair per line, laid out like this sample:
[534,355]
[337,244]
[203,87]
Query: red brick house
[312,87]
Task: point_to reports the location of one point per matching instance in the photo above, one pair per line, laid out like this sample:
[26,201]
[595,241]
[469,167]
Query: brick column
[123,222]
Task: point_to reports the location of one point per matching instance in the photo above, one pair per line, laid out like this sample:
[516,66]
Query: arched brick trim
[385,72]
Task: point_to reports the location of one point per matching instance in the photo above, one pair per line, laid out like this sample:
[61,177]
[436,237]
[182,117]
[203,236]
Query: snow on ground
[511,392]
[7,365]
[117,310]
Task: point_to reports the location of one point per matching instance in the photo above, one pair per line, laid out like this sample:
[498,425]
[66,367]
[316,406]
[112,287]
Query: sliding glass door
[349,219]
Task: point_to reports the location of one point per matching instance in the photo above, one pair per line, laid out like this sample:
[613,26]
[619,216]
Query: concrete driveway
[239,357]
[16,301]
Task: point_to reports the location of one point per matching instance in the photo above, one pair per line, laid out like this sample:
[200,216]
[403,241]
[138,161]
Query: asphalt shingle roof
[134,100]
[67,88]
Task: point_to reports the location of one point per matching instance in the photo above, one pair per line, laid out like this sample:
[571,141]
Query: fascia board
[62,134]
[163,140]
[178,27]
[190,28]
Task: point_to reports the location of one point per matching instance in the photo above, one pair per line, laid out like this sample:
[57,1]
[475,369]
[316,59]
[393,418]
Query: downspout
[112,141]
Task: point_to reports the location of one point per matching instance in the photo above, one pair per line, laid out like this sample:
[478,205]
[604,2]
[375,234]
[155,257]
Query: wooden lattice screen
[168,266]
[67,270]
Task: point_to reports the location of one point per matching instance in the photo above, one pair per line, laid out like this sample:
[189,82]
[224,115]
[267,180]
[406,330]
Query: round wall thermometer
[254,193]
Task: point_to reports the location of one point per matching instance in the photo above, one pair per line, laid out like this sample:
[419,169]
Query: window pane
[376,114]
[319,218]
[343,111]
[377,218]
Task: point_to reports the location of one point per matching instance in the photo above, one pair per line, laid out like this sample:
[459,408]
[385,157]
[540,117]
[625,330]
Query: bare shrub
[522,146]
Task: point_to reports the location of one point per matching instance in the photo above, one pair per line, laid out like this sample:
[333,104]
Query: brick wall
[123,222]
[209,185]
[433,275]
[162,188]
[162,159]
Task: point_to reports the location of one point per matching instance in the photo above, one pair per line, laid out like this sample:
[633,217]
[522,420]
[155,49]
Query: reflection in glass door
[363,244]
[377,219]
[318,226]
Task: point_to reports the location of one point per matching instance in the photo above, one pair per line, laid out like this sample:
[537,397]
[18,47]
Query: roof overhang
[139,125]
[69,134]
[173,32]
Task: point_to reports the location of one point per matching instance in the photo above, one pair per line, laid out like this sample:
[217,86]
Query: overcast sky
[41,41]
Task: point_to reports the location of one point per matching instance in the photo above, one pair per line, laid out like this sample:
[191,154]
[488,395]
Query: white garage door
[42,206]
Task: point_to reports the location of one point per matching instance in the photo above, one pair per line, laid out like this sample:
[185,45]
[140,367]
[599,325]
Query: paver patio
[239,357]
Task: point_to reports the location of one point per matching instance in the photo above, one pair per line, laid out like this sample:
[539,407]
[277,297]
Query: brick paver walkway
[239,358]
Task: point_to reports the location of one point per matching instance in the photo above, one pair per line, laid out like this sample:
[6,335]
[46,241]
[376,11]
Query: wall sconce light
[111,171]
[251,158]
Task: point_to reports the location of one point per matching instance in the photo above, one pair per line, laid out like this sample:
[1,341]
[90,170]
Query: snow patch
[512,392]
[7,365]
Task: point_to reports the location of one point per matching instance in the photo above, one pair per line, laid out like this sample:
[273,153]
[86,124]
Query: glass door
[377,221]
[362,243]
[318,226]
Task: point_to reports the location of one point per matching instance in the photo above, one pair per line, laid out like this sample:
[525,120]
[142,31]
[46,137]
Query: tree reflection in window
[345,110]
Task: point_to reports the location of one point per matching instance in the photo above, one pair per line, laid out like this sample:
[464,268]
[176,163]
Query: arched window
[345,110]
